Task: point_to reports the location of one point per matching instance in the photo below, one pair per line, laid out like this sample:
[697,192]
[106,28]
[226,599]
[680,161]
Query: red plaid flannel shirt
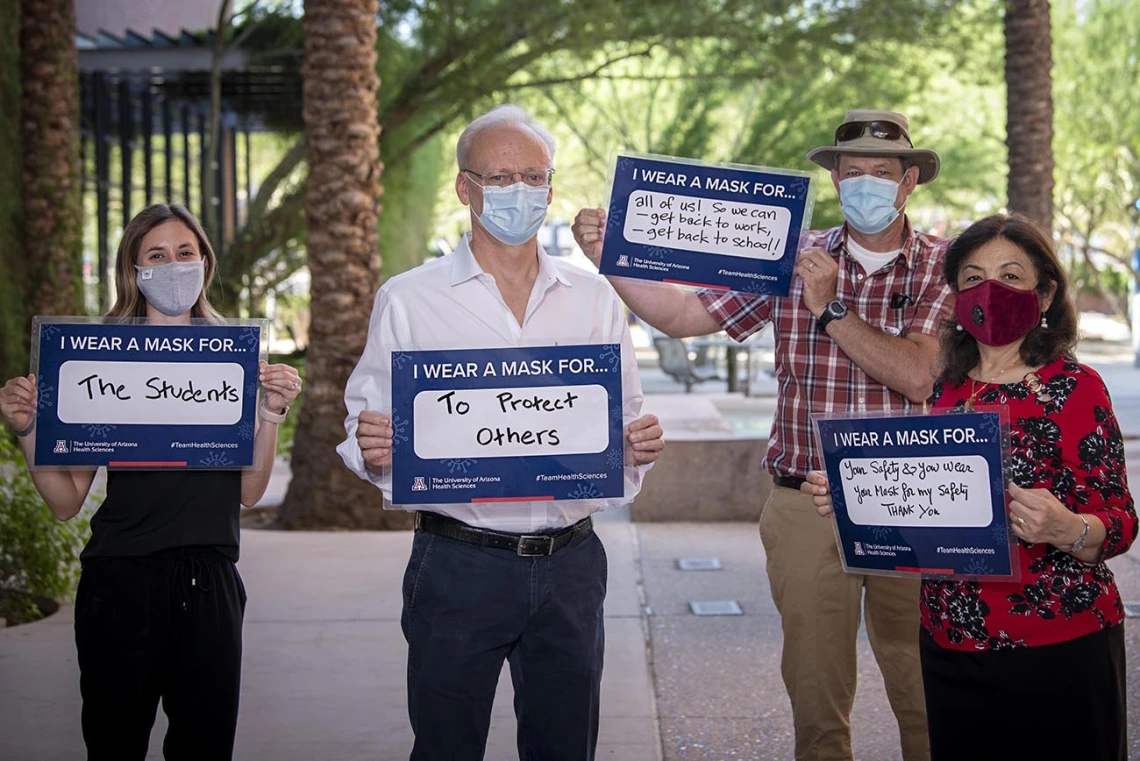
[813,373]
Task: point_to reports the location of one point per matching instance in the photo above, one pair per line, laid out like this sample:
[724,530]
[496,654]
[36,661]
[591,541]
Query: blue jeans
[468,608]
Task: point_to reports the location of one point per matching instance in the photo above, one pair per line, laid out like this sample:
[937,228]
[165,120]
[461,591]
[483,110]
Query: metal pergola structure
[145,114]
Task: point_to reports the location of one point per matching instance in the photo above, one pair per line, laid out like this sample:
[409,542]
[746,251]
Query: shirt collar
[465,267]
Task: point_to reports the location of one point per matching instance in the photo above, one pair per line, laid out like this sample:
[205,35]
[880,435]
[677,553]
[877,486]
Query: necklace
[975,388]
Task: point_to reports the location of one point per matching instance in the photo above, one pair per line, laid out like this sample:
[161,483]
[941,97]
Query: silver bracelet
[1078,544]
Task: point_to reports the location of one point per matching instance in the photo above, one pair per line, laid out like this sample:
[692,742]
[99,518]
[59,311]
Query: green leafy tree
[1097,137]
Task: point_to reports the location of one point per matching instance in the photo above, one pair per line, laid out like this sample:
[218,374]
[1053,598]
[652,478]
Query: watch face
[837,309]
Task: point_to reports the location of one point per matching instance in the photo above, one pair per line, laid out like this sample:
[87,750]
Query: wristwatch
[272,417]
[835,310]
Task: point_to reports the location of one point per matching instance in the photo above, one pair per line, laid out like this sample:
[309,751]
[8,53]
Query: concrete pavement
[323,673]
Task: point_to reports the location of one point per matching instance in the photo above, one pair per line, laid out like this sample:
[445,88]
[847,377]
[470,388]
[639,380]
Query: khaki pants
[820,607]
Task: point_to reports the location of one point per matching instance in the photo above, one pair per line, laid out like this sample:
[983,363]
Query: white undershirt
[870,261]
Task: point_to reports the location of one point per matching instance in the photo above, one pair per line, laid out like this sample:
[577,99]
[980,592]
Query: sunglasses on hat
[882,130]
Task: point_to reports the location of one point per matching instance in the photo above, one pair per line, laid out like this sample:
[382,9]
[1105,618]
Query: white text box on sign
[731,228]
[511,422]
[150,393]
[944,492]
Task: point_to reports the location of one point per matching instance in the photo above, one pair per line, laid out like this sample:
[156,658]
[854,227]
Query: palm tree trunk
[342,202]
[1029,131]
[13,272]
[49,105]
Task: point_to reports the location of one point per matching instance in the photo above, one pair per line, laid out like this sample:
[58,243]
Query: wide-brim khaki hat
[867,144]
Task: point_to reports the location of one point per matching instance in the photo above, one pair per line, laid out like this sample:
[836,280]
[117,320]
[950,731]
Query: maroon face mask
[997,314]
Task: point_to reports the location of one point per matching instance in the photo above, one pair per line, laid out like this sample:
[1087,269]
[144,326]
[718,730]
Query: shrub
[39,555]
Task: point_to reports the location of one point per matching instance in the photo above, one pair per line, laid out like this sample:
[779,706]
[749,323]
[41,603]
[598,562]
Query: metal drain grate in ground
[715,608]
[1132,609]
[699,564]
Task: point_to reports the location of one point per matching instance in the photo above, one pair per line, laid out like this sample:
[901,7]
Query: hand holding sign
[282,385]
[374,436]
[18,402]
[589,228]
[816,487]
[646,438]
[1036,516]
[820,273]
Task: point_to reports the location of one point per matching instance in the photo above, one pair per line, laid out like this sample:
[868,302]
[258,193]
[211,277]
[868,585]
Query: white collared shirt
[451,303]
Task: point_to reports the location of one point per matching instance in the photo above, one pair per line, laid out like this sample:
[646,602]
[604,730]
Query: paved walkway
[323,676]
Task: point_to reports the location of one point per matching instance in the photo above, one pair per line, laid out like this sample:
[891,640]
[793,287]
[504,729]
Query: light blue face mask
[869,203]
[513,214]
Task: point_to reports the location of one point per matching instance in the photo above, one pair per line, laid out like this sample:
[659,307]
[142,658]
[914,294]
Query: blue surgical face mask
[869,203]
[513,214]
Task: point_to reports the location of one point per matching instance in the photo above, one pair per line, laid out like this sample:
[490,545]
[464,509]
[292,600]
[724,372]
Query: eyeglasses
[883,130]
[536,178]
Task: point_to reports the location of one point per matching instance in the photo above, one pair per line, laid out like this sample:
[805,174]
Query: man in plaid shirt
[857,333]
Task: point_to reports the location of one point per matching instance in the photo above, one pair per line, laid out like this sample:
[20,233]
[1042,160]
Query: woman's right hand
[816,487]
[18,400]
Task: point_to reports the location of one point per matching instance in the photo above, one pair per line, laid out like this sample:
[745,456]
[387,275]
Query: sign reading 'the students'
[133,395]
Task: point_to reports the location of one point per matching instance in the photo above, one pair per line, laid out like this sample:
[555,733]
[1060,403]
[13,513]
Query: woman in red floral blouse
[996,654]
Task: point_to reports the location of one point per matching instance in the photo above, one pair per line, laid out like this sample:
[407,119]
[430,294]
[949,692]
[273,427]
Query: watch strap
[828,315]
[276,418]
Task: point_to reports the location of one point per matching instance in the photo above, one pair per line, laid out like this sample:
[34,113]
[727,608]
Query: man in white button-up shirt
[516,581]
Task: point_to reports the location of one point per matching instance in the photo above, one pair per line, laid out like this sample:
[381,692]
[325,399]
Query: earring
[958,327]
[1044,322]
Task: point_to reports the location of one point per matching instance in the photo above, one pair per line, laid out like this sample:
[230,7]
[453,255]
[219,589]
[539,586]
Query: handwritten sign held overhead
[507,424]
[128,394]
[705,224]
[919,493]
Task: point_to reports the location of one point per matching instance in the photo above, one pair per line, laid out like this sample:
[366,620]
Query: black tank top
[149,511]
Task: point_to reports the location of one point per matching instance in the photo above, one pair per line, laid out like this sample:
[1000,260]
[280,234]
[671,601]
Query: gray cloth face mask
[172,288]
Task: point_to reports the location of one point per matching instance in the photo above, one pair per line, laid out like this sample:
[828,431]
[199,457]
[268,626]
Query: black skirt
[1065,701]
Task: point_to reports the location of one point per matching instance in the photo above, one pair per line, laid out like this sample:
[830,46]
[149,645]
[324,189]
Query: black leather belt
[789,482]
[523,545]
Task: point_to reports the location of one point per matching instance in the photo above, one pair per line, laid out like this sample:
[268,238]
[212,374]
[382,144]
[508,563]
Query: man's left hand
[646,439]
[820,273]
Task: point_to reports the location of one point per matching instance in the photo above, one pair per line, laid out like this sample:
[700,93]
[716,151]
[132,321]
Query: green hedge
[39,555]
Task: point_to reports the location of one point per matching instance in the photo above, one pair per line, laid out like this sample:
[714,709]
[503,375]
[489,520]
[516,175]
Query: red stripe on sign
[924,570]
[696,285]
[549,498]
[146,464]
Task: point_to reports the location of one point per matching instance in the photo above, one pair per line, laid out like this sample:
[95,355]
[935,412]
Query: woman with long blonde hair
[158,613]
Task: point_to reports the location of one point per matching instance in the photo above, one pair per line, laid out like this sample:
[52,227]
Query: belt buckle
[522,552]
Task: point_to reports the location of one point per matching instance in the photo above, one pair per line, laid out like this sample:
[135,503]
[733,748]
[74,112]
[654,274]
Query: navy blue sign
[494,425]
[146,396]
[707,225]
[919,494]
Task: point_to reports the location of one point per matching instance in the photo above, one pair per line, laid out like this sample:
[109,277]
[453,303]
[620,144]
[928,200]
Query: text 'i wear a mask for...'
[172,288]
[868,203]
[997,314]
[513,214]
